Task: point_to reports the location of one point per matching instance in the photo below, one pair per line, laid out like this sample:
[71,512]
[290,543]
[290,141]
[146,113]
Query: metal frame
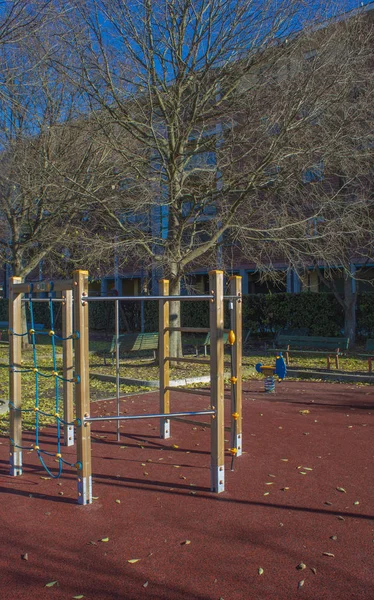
[75,299]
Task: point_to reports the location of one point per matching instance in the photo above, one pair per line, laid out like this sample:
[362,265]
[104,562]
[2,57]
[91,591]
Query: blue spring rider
[269,371]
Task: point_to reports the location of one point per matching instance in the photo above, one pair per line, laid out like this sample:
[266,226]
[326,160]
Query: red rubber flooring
[192,544]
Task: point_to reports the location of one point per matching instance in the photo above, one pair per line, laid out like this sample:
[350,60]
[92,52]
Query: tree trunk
[175,319]
[350,304]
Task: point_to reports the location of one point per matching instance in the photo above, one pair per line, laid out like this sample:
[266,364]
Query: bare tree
[217,110]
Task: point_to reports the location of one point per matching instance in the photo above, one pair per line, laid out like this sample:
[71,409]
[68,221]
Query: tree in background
[221,114]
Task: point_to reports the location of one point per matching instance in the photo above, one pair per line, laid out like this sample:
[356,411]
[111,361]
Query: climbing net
[38,373]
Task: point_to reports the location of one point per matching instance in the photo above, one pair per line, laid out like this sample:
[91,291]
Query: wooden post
[67,365]
[15,354]
[82,392]
[237,353]
[164,322]
[217,469]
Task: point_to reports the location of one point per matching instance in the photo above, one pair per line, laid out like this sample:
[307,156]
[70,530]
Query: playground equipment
[75,373]
[279,369]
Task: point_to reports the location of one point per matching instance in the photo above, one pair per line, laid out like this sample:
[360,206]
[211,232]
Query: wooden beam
[82,391]
[68,366]
[15,356]
[237,356]
[164,349]
[44,286]
[217,381]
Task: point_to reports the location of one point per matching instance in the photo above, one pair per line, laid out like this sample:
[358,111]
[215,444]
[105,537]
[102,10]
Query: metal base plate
[69,435]
[16,463]
[165,429]
[85,490]
[217,479]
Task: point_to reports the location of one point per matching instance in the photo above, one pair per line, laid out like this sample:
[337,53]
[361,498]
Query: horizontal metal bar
[193,391]
[232,297]
[43,299]
[192,422]
[197,361]
[141,298]
[189,329]
[155,416]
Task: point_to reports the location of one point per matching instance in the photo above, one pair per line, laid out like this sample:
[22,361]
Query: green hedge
[263,314]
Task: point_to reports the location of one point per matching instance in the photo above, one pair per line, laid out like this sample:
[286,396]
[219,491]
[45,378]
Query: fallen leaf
[176,466]
[186,543]
[356,503]
[342,490]
[145,584]
[78,597]
[340,518]
[302,472]
[260,571]
[51,584]
[104,540]
[95,497]
[269,483]
[175,446]
[133,560]
[301,566]
[270,475]
[45,478]
[284,489]
[307,469]
[330,554]
[266,493]
[314,570]
[25,556]
[304,412]
[118,501]
[301,583]
[284,459]
[333,537]
[328,503]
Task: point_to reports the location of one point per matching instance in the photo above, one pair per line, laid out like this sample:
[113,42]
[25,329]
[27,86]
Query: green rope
[38,374]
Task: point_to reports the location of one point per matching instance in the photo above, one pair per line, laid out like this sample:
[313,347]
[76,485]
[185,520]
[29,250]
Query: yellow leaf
[340,489]
[78,597]
[284,459]
[301,583]
[186,543]
[304,412]
[269,483]
[260,571]
[266,493]
[175,446]
[104,540]
[118,501]
[176,466]
[356,503]
[51,584]
[133,560]
[330,554]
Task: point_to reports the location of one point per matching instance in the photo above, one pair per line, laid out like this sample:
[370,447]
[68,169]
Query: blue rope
[38,374]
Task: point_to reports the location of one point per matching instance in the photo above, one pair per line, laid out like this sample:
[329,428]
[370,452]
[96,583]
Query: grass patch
[132,367]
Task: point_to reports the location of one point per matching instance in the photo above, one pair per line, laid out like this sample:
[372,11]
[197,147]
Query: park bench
[369,353]
[4,328]
[306,344]
[205,343]
[130,342]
